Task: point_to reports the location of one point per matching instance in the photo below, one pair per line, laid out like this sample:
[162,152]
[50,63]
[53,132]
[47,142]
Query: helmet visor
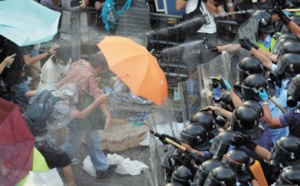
[219,147]
[250,93]
[200,177]
[282,64]
[211,181]
[228,162]
[294,89]
[281,181]
[279,154]
[186,138]
[267,29]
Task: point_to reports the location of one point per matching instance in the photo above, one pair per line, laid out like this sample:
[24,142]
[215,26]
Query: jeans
[74,139]
[19,94]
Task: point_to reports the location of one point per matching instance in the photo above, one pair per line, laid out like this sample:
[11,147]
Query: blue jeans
[19,94]
[74,139]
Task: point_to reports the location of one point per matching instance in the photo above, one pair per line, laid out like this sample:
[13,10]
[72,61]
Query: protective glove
[263,94]
[212,48]
[285,20]
[247,44]
[243,141]
[225,84]
[164,136]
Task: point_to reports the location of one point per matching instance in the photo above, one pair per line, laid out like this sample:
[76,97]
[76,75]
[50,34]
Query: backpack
[110,15]
[38,112]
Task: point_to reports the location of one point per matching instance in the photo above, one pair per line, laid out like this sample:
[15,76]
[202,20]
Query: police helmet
[221,176]
[256,106]
[244,118]
[265,24]
[289,47]
[252,84]
[289,177]
[281,41]
[182,175]
[293,95]
[289,65]
[286,151]
[208,121]
[226,101]
[238,161]
[221,144]
[204,169]
[196,136]
[247,66]
[221,121]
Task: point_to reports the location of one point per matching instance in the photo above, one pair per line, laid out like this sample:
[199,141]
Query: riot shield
[219,66]
[190,96]
[162,121]
[247,29]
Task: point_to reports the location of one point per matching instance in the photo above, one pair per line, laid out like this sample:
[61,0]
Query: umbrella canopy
[16,144]
[136,67]
[26,22]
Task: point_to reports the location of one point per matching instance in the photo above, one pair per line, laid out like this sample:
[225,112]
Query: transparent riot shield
[190,96]
[219,66]
[249,30]
[162,121]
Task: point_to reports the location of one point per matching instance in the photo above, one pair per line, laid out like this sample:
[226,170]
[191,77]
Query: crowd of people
[254,141]
[252,138]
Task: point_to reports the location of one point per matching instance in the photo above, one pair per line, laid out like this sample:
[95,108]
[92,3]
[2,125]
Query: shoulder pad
[276,35]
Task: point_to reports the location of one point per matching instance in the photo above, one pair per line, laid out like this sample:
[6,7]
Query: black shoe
[108,172]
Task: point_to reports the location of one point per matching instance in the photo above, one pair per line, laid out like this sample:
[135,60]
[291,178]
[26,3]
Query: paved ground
[138,153]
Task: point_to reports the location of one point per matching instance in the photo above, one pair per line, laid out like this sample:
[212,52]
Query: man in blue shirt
[291,118]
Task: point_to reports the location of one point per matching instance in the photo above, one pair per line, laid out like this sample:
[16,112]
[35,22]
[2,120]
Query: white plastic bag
[44,178]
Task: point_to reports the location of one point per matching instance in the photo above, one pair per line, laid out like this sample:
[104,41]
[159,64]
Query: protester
[66,97]
[83,74]
[6,62]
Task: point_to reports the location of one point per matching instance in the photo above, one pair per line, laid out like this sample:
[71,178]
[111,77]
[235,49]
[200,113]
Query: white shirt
[206,28]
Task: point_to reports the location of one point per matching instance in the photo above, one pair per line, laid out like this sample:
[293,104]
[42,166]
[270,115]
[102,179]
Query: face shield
[211,181]
[293,94]
[200,176]
[234,165]
[189,139]
[282,64]
[251,93]
[279,155]
[235,124]
[281,181]
[219,147]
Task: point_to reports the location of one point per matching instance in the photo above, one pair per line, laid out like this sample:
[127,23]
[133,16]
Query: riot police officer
[183,176]
[251,88]
[239,162]
[221,144]
[204,169]
[291,118]
[208,121]
[290,176]
[221,176]
[248,65]
[245,122]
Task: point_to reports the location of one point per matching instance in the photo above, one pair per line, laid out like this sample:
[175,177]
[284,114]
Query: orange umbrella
[136,67]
